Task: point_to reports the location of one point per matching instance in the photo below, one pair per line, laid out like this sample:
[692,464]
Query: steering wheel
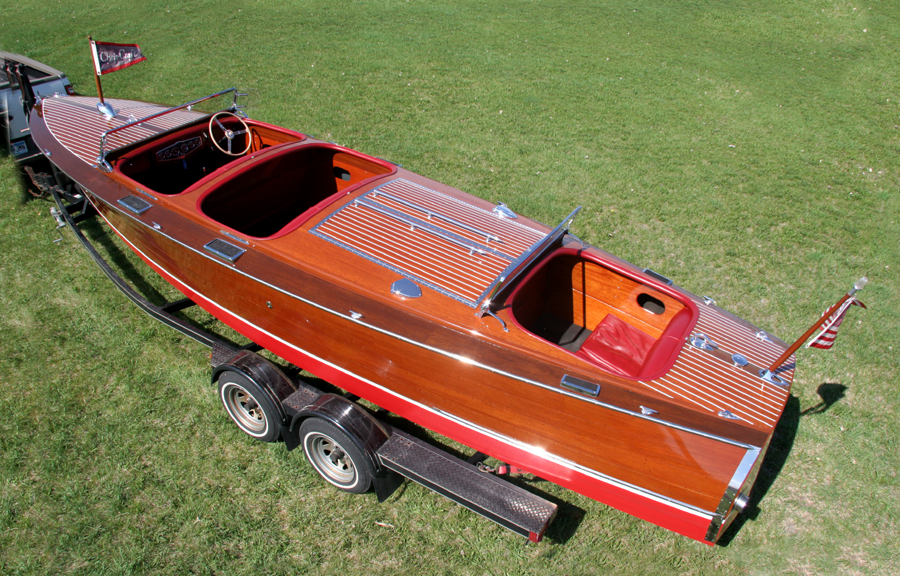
[228,134]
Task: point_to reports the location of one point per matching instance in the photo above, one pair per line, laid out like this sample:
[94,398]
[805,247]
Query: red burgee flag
[825,339]
[109,57]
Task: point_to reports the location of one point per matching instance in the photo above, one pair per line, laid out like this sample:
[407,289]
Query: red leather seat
[664,351]
[617,346]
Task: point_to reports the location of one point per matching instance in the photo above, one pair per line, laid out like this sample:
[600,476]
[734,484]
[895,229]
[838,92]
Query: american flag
[825,339]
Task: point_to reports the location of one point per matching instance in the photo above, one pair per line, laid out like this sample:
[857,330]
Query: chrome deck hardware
[135,204]
[503,211]
[406,288]
[499,319]
[771,378]
[225,250]
[703,342]
[581,386]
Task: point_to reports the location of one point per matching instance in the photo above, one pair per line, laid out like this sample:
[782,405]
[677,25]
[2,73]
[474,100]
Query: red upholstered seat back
[669,345]
[618,346]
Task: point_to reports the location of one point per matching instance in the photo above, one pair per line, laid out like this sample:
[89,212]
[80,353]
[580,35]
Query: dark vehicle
[43,81]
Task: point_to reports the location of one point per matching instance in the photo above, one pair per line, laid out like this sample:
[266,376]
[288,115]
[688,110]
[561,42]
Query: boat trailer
[349,445]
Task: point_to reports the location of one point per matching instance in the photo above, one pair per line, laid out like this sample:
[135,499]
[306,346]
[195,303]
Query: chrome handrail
[462,243]
[235,108]
[432,214]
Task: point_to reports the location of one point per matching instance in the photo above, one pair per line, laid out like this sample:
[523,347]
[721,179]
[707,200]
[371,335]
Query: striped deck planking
[429,237]
[712,384]
[75,122]
[441,262]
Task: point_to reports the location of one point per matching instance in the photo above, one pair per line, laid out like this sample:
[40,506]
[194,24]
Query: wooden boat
[509,336]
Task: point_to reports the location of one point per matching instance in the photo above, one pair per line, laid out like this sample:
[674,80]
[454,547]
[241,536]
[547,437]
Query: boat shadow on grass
[779,450]
[101,237]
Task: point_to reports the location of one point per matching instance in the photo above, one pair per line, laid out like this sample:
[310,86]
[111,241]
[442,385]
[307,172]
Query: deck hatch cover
[433,239]
[135,204]
[224,250]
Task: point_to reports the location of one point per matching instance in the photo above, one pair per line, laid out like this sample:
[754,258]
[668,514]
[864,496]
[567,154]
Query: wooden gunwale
[338,299]
[679,517]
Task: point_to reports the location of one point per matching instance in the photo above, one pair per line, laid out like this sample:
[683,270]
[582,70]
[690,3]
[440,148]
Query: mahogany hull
[677,465]
[665,462]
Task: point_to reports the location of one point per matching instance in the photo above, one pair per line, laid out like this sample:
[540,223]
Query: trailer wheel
[335,456]
[249,408]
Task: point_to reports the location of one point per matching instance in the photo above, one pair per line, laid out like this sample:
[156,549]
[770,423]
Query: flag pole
[769,374]
[102,106]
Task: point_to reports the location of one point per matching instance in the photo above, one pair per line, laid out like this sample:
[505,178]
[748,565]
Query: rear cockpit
[618,323]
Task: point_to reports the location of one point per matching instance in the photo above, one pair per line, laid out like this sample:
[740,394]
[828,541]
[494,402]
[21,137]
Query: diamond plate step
[510,506]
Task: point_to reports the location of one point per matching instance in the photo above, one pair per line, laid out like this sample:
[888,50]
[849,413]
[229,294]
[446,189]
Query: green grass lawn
[748,150]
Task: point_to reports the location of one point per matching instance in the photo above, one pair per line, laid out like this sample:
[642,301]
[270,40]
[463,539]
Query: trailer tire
[249,407]
[335,456]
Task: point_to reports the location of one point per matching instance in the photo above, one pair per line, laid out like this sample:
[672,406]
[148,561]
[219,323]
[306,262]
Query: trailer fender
[367,433]
[268,379]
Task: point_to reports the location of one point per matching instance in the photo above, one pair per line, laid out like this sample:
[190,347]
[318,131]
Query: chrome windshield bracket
[520,264]
[485,310]
[580,241]
[235,107]
[103,165]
